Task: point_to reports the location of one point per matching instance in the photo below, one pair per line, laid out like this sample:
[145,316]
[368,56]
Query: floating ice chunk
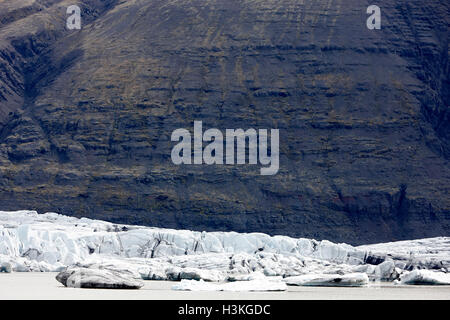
[6,267]
[425,277]
[98,279]
[252,285]
[255,285]
[194,285]
[329,280]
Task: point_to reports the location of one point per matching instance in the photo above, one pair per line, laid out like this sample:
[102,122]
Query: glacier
[50,242]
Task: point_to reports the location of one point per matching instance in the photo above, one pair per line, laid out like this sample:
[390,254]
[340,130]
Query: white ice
[99,279]
[50,242]
[329,280]
[251,285]
[425,277]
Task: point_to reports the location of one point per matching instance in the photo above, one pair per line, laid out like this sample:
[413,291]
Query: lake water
[44,286]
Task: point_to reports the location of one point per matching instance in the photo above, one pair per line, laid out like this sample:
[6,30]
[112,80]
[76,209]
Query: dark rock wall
[363,114]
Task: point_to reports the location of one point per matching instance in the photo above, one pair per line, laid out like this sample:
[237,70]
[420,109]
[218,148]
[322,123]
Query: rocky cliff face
[86,116]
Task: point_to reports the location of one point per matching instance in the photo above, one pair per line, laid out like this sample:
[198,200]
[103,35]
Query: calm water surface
[44,286]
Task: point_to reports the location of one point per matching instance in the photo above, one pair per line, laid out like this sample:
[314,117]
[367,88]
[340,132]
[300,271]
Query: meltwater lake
[43,286]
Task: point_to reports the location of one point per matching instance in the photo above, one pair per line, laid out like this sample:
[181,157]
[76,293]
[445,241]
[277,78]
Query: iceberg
[5,267]
[251,285]
[425,277]
[329,280]
[98,279]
